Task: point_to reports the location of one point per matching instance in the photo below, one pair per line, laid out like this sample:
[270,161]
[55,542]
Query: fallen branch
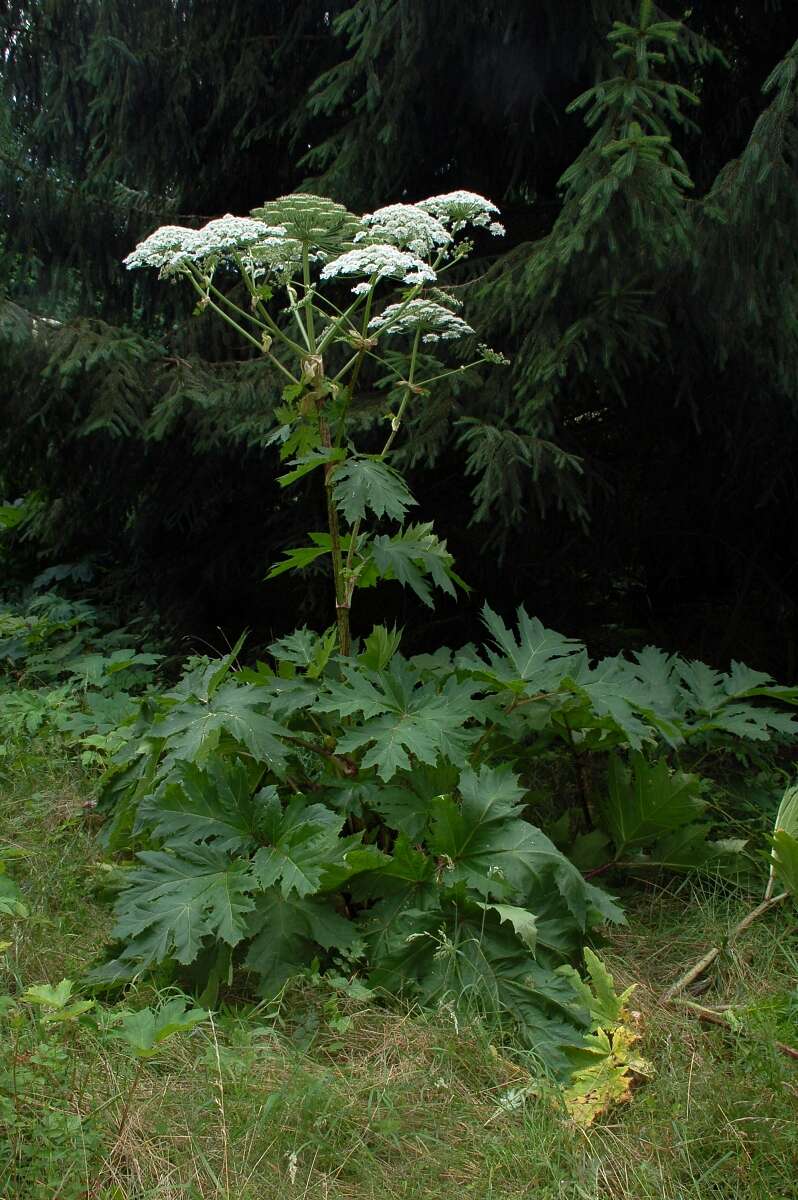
[716,1017]
[703,963]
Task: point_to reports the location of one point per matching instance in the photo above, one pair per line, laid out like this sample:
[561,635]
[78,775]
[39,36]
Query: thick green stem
[350,579]
[341,601]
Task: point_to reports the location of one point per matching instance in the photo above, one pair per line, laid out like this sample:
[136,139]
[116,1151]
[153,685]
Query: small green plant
[144,1033]
[605,1066]
[53,1139]
[145,1030]
[48,1140]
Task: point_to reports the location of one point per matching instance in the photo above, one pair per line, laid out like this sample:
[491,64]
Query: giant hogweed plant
[313,278]
[343,804]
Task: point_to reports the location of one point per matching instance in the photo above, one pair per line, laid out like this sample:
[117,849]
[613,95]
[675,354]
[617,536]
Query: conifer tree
[647,172]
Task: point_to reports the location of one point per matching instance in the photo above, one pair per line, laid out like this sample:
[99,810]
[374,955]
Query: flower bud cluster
[493,356]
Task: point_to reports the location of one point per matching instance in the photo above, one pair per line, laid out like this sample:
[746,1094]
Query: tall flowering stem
[277,252]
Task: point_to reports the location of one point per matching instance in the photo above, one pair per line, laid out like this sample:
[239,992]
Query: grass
[326,1096]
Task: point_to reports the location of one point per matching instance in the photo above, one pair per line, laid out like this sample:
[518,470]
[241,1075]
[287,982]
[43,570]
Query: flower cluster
[324,227]
[436,322]
[493,356]
[172,246]
[391,243]
[232,233]
[406,226]
[379,261]
[161,247]
[444,298]
[282,255]
[458,209]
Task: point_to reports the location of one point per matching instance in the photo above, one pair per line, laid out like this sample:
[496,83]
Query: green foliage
[56,1003]
[364,484]
[175,901]
[145,1030]
[11,902]
[337,1069]
[409,557]
[597,992]
[45,1143]
[77,674]
[52,1137]
[379,808]
[652,815]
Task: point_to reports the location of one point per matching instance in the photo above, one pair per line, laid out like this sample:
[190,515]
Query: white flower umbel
[173,246]
[382,261]
[227,233]
[161,247]
[455,210]
[435,322]
[405,226]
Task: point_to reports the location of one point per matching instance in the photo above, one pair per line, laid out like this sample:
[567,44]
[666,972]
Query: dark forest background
[631,477]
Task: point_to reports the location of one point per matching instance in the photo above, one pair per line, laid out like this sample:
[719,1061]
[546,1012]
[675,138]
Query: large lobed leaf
[304,849]
[212,805]
[489,848]
[643,802]
[174,902]
[193,729]
[403,716]
[287,932]
[367,484]
[413,555]
[536,660]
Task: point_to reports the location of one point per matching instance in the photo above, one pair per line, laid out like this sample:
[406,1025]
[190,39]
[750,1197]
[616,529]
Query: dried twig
[703,963]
